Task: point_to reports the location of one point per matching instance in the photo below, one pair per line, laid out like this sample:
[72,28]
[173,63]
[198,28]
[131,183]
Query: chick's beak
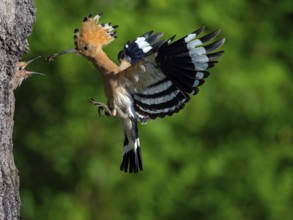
[32,60]
[28,73]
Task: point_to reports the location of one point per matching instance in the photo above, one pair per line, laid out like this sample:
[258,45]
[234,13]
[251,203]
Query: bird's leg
[102,108]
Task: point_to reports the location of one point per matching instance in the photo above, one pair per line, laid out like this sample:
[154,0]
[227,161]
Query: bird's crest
[94,33]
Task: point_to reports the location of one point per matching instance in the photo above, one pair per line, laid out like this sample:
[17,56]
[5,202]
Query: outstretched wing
[162,82]
[134,51]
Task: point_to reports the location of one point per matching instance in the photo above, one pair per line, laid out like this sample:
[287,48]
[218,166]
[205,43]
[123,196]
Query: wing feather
[143,45]
[161,79]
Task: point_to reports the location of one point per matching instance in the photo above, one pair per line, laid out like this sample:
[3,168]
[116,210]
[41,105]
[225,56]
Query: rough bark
[16,20]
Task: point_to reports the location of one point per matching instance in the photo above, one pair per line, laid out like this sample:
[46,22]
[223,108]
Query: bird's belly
[123,105]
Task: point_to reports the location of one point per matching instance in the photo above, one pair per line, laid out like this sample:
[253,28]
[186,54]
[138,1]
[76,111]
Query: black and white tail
[132,160]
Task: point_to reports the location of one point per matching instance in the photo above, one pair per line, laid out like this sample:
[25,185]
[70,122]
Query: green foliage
[227,155]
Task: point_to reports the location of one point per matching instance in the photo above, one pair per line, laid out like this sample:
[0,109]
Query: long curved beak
[34,73]
[28,73]
[32,60]
[53,56]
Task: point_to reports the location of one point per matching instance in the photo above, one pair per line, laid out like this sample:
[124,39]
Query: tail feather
[132,160]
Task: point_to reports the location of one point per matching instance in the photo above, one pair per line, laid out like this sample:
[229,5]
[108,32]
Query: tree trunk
[16,20]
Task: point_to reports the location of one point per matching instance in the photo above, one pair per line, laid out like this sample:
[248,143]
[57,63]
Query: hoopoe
[155,78]
[21,73]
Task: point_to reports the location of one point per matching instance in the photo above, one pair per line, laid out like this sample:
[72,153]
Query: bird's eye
[85,48]
[20,68]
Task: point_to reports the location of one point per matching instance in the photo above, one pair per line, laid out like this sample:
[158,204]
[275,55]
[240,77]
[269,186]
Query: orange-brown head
[91,38]
[21,73]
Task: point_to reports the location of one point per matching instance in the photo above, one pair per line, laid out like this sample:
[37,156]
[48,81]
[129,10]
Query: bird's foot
[102,108]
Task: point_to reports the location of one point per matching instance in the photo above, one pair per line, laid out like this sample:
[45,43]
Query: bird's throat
[104,64]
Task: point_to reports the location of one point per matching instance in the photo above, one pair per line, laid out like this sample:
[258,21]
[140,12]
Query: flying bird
[154,78]
[21,73]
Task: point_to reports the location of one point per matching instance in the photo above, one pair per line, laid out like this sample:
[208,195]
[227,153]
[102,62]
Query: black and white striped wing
[143,45]
[164,81]
[186,61]
[159,99]
[154,94]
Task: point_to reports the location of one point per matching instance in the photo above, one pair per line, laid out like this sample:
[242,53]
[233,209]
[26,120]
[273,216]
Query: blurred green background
[228,155]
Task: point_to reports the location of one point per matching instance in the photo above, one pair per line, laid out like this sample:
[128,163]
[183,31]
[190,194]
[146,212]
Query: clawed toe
[102,108]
